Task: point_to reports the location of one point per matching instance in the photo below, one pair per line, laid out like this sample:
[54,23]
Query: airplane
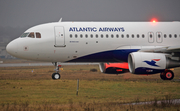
[138,47]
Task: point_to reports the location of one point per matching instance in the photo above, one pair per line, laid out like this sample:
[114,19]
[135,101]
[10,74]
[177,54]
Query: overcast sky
[23,13]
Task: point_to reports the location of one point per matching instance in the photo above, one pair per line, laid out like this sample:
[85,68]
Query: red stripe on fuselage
[156,59]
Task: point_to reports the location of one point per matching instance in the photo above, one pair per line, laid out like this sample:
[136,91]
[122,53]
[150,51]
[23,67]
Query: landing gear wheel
[169,75]
[162,75]
[56,76]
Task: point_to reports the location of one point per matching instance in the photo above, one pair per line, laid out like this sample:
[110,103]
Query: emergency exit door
[159,37]
[151,37]
[59,37]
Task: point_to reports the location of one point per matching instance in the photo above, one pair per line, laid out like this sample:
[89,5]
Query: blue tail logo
[152,62]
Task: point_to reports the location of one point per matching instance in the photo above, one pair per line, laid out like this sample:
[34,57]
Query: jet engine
[113,68]
[149,63]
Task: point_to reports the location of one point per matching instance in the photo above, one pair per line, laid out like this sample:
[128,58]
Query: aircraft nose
[11,48]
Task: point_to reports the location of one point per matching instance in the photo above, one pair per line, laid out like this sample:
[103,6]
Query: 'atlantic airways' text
[94,29]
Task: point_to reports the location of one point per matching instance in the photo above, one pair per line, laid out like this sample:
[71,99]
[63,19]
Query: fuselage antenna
[60,19]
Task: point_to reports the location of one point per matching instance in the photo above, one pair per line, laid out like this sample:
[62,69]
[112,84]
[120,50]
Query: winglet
[60,19]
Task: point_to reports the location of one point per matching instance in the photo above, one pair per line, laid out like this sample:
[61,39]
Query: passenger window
[132,35]
[143,35]
[101,35]
[170,35]
[175,35]
[86,36]
[31,35]
[70,35]
[122,36]
[76,35]
[137,35]
[96,35]
[127,35]
[117,36]
[165,36]
[112,35]
[106,35]
[81,35]
[38,35]
[91,35]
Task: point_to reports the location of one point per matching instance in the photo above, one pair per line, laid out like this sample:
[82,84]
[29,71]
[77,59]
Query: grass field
[31,88]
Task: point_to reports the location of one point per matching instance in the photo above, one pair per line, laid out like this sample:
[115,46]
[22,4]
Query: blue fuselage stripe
[106,56]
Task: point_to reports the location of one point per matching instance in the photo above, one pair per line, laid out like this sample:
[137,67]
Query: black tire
[56,76]
[53,76]
[162,75]
[169,75]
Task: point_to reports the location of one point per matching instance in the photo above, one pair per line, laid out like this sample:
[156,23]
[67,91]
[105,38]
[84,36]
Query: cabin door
[59,36]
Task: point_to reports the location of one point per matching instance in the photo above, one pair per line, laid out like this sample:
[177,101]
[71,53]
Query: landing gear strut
[56,75]
[167,75]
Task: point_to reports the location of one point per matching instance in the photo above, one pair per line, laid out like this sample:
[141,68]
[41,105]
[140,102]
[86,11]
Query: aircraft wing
[165,49]
[174,48]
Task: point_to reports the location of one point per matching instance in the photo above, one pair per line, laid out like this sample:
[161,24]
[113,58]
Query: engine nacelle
[149,63]
[113,68]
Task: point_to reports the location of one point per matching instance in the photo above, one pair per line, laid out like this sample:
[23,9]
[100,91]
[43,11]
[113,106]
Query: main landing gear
[56,75]
[167,75]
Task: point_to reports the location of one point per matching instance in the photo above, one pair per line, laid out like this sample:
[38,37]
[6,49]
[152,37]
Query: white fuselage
[93,41]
